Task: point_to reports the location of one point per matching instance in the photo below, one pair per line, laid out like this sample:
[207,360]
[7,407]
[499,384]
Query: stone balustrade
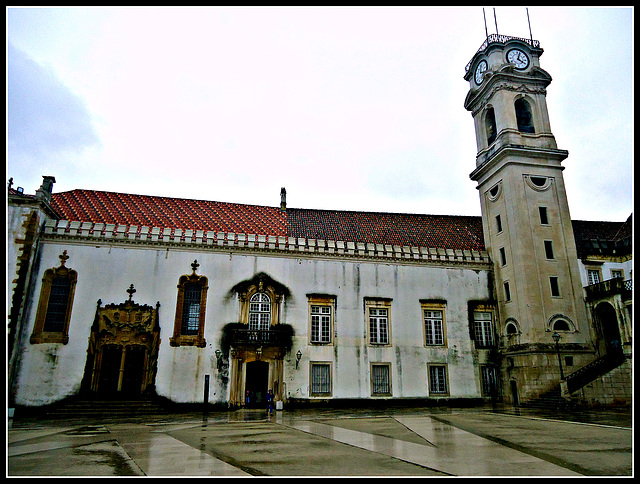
[114,233]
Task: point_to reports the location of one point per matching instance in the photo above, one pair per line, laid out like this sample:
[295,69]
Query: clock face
[519,59]
[480,70]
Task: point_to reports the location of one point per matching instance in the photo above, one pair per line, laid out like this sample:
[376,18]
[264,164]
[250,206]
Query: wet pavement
[346,442]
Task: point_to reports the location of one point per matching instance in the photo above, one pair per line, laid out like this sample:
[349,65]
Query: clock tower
[525,216]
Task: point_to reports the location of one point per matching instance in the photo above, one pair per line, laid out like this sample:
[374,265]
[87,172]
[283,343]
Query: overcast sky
[348,108]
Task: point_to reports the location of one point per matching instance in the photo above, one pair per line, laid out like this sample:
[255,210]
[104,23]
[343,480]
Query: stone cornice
[476,100]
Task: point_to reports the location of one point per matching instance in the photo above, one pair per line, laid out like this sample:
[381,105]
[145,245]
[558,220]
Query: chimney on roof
[45,190]
[283,199]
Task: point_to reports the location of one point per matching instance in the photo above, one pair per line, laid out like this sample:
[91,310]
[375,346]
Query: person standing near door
[270,402]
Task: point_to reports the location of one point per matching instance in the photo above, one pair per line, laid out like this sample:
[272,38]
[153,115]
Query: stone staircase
[593,370]
[102,408]
[553,400]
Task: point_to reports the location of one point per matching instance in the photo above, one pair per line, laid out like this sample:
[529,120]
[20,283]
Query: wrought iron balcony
[609,288]
[280,337]
[255,337]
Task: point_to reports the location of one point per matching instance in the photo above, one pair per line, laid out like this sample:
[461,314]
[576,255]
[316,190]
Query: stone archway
[608,328]
[123,350]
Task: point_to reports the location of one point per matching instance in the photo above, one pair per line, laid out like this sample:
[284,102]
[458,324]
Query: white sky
[348,108]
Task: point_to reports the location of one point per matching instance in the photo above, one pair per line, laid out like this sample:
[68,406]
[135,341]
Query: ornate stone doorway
[256,384]
[123,350]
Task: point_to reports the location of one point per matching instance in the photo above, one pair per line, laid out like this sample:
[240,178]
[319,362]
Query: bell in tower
[525,214]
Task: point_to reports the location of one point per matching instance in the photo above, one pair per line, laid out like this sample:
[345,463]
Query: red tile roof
[440,231]
[142,210]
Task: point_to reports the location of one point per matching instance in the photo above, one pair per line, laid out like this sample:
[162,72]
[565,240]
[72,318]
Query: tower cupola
[507,90]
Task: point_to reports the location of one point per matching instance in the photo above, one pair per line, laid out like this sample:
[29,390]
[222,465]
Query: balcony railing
[609,288]
[260,337]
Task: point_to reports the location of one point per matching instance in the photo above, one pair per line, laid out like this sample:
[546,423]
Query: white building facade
[365,323]
[119,296]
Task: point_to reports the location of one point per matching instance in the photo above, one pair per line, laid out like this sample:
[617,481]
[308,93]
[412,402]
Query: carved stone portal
[123,349]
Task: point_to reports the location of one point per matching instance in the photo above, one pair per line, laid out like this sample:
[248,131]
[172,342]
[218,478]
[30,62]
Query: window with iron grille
[489,376]
[433,327]
[320,324]
[191,308]
[483,329]
[380,379]
[320,379]
[54,321]
[438,379]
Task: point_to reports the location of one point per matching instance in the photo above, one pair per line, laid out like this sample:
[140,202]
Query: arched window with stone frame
[490,126]
[188,329]
[260,299]
[524,116]
[260,312]
[56,301]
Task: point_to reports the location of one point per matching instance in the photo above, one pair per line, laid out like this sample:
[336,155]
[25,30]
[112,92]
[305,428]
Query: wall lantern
[298,356]
[219,359]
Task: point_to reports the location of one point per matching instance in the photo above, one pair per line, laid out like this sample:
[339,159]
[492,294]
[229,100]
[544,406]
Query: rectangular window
[555,290]
[438,380]
[433,327]
[191,308]
[320,324]
[548,249]
[617,274]
[320,379]
[380,379]
[544,219]
[191,304]
[53,315]
[507,292]
[489,375]
[378,314]
[483,329]
[259,321]
[593,276]
[498,223]
[56,316]
[378,326]
[503,256]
